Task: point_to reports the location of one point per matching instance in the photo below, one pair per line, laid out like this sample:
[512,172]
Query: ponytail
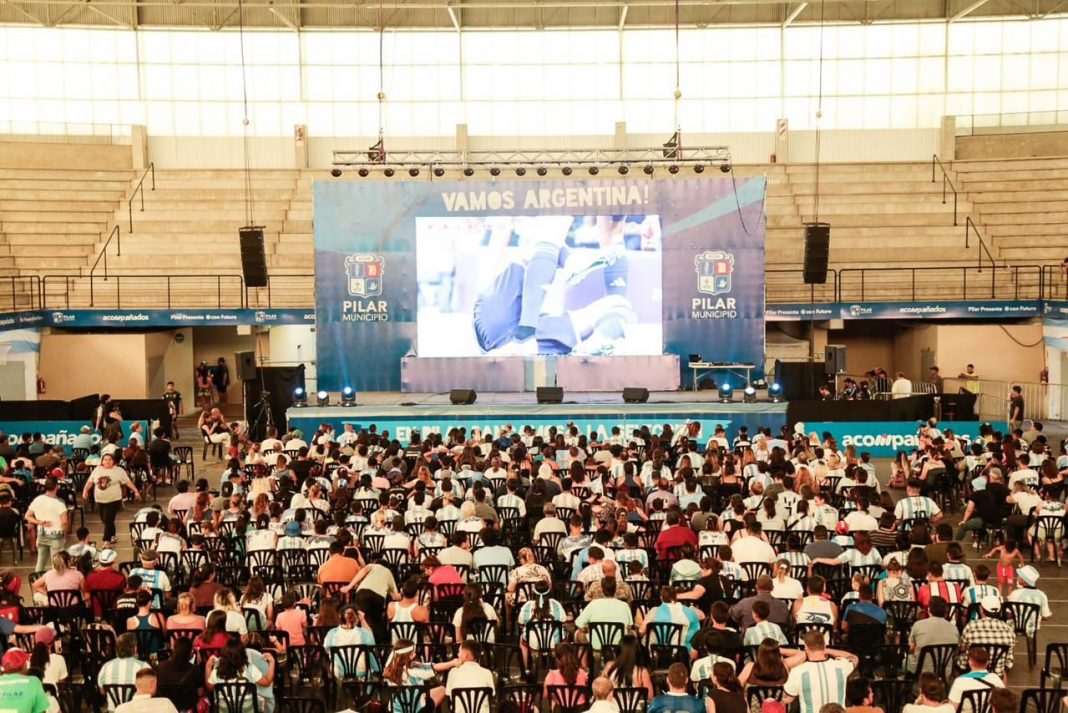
[724,675]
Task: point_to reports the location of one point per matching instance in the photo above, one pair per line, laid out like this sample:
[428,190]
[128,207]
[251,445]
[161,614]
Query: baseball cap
[1028,575]
[293,529]
[108,556]
[842,528]
[45,635]
[14,660]
[991,603]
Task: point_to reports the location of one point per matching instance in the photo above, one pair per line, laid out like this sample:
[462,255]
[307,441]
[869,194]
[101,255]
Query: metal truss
[533,159]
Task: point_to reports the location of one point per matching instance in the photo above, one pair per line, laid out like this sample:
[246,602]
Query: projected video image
[529,285]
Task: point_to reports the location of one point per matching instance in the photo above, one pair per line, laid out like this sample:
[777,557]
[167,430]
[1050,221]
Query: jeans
[46,547]
[108,513]
[973,525]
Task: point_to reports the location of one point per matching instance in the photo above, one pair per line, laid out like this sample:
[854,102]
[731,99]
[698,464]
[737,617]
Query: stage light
[364,173]
[749,395]
[300,397]
[542,170]
[389,173]
[698,169]
[623,170]
[725,393]
[495,171]
[439,171]
[322,398]
[348,396]
[566,170]
[726,168]
[413,172]
[335,172]
[673,168]
[594,170]
[521,171]
[775,392]
[469,171]
[648,170]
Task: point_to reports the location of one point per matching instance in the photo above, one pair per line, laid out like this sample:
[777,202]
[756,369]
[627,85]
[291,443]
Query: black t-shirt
[159,452]
[990,503]
[301,468]
[1017,405]
[173,399]
[713,591]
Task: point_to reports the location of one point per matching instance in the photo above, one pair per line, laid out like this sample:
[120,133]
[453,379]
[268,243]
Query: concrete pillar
[782,141]
[620,141]
[139,146]
[300,146]
[463,144]
[947,149]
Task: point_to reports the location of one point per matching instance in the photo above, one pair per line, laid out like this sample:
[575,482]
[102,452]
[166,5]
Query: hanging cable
[819,116]
[678,84]
[381,81]
[250,213]
[1025,346]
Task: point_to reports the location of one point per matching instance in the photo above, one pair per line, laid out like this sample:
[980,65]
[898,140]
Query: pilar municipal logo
[363,274]
[714,272]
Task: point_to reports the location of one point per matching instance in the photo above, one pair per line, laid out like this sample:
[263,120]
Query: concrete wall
[15,154]
[210,343]
[996,355]
[1012,145]
[908,344]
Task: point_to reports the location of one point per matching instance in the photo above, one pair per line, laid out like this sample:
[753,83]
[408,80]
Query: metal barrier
[1018,282]
[142,291]
[140,189]
[783,286]
[946,181]
[20,292]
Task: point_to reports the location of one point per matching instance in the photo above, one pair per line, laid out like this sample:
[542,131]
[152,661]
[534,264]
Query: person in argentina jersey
[821,679]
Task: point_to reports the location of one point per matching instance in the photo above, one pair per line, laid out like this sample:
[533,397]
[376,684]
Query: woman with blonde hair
[185,617]
[802,477]
[404,669]
[61,576]
[528,571]
[261,505]
[226,603]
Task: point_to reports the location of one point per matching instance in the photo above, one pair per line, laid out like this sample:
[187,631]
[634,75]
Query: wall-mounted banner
[985,309]
[134,319]
[527,268]
[883,439]
[62,433]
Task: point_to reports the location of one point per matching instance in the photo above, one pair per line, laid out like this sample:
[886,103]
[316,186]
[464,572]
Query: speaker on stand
[253,260]
[817,252]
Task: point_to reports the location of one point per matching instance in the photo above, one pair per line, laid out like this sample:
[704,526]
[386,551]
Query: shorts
[1006,574]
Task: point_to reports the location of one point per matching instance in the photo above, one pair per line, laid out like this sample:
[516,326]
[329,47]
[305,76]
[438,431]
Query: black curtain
[279,381]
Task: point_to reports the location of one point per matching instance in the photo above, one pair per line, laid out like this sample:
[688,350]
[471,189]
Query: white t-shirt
[107,483]
[471,675]
[752,549]
[969,682]
[50,509]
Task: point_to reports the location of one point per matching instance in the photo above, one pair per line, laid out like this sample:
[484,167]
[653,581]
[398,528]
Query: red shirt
[103,580]
[675,536]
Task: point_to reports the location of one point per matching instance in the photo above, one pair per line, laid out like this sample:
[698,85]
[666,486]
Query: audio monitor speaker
[550,395]
[253,262]
[817,250]
[462,396]
[635,395]
[834,359]
[245,363]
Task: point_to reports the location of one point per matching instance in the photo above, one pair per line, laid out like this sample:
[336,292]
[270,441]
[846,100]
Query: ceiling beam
[968,10]
[282,18]
[455,17]
[623,17]
[18,8]
[800,8]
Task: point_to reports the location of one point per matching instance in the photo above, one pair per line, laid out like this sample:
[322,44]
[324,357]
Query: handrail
[140,189]
[115,233]
[969,226]
[945,180]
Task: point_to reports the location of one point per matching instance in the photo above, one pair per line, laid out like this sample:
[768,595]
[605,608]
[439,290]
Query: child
[1009,558]
[1027,592]
[975,593]
[635,572]
[762,628]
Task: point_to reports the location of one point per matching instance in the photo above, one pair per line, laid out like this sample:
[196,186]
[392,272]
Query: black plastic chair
[631,700]
[1041,700]
[406,699]
[569,699]
[470,700]
[976,700]
[663,633]
[940,657]
[234,697]
[758,694]
[1025,618]
[521,698]
[605,633]
[119,693]
[299,704]
[892,693]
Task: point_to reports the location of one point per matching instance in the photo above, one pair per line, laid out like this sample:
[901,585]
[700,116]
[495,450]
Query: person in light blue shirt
[84,439]
[492,553]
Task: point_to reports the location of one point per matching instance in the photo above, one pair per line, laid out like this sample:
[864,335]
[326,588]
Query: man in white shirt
[271,442]
[977,678]
[470,674]
[49,513]
[1025,473]
[459,552]
[495,472]
[348,436]
[751,547]
[144,700]
[821,679]
[549,523]
[901,388]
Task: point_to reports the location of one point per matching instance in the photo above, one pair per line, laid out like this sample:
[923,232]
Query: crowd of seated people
[650,571]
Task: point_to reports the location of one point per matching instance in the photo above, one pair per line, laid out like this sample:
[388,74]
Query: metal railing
[946,182]
[1041,401]
[19,293]
[782,286]
[177,291]
[116,235]
[1018,282]
[1011,122]
[140,190]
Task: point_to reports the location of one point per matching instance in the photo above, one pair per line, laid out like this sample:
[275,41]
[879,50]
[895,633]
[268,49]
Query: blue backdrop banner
[883,439]
[60,433]
[522,268]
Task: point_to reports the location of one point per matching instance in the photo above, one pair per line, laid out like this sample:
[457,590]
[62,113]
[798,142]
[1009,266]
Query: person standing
[970,377]
[106,483]
[173,398]
[1016,408]
[48,512]
[202,378]
[936,381]
[901,388]
[220,379]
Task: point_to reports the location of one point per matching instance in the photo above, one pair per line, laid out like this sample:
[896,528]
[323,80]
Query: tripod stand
[263,419]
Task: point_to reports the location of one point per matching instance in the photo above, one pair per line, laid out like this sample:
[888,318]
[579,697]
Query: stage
[400,413]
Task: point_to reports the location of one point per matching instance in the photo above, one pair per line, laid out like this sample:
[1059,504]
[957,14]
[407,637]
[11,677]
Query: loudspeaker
[635,395]
[462,396]
[245,363]
[550,395]
[834,359]
[817,249]
[253,262]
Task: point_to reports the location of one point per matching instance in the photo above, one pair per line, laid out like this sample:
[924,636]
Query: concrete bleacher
[1021,206]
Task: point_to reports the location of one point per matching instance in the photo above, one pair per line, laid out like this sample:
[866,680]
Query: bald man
[610,569]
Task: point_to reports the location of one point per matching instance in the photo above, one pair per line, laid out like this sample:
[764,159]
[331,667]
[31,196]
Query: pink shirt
[71,579]
[293,622]
[555,678]
[445,574]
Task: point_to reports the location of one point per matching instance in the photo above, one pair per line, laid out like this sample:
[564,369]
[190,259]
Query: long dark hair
[567,663]
[768,665]
[216,624]
[473,609]
[39,656]
[232,660]
[723,673]
[626,661]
